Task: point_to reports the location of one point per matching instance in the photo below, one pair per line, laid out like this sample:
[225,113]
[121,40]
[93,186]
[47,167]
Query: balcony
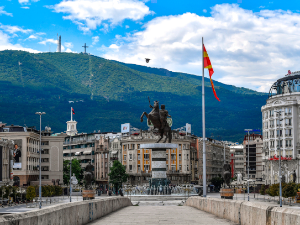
[113,158]
[173,171]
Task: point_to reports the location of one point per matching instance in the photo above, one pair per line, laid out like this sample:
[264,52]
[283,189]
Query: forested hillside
[109,93]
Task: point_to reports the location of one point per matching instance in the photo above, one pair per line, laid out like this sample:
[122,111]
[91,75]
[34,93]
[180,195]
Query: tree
[117,174]
[76,169]
[217,182]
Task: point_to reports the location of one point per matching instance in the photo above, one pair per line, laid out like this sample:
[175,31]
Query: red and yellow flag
[207,64]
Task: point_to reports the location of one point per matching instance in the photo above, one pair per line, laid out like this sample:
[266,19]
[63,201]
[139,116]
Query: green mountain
[107,93]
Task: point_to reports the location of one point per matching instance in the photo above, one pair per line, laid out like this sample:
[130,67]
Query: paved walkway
[151,215]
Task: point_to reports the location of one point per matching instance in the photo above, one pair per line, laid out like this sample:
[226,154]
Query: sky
[250,43]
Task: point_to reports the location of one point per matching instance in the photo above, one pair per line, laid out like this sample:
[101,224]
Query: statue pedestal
[227,193]
[158,162]
[88,194]
[239,191]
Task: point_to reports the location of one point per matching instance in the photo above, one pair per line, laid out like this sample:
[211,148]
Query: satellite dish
[147,60]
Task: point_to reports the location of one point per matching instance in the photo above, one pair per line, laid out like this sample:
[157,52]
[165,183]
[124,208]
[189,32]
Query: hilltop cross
[85,48]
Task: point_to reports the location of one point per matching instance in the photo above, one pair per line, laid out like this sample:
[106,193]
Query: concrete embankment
[75,213]
[246,213]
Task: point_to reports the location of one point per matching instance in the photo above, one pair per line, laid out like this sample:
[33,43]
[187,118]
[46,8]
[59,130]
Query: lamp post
[278,112]
[248,130]
[40,168]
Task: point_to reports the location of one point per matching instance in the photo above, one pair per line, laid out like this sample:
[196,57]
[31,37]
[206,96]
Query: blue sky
[250,43]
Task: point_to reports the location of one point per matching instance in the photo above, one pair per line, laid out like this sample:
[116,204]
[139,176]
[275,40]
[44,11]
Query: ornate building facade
[138,161]
[281,130]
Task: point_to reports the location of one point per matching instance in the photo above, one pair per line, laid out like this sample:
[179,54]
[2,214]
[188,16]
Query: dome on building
[288,84]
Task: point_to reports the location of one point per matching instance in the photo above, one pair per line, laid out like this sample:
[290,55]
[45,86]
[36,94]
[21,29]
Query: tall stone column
[158,162]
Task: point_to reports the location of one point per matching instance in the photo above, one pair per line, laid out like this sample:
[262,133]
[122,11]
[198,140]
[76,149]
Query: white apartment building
[282,133]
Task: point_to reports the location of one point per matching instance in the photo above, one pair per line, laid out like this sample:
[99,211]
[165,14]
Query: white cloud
[14,29]
[25,7]
[32,37]
[27,1]
[68,44]
[48,41]
[95,40]
[246,48]
[90,14]
[6,45]
[261,7]
[204,10]
[126,26]
[2,11]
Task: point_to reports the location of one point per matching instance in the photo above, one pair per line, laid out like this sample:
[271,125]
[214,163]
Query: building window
[105,174]
[124,157]
[146,156]
[279,133]
[106,164]
[139,168]
[187,167]
[271,112]
[130,167]
[130,156]
[179,167]
[288,132]
[173,156]
[179,156]
[138,146]
[101,164]
[146,167]
[187,156]
[106,155]
[288,122]
[139,157]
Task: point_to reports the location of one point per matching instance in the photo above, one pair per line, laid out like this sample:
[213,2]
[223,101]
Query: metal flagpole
[203,125]
[71,158]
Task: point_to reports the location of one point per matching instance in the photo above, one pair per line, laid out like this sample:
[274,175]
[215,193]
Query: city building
[102,162]
[138,161]
[238,157]
[255,145]
[281,132]
[214,158]
[26,154]
[80,146]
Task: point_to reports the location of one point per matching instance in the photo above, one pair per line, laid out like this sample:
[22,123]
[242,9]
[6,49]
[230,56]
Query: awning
[114,152]
[87,152]
[77,153]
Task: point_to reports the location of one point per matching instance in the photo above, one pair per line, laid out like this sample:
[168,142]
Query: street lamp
[40,168]
[278,112]
[248,130]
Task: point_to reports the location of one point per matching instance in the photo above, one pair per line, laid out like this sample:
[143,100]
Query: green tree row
[288,189]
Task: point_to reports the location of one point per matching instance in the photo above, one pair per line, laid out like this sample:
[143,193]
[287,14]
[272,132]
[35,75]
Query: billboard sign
[188,128]
[125,128]
[17,154]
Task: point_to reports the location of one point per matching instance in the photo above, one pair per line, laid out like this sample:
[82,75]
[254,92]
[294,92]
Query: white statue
[239,178]
[74,181]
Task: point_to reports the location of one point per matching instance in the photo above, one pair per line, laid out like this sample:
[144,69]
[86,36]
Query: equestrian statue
[158,117]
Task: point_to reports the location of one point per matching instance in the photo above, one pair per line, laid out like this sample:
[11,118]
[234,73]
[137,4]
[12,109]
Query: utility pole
[248,166]
[40,168]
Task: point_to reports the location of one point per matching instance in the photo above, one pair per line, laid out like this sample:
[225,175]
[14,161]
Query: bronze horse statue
[160,123]
[227,174]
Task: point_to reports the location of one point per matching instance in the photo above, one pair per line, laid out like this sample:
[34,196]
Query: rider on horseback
[163,113]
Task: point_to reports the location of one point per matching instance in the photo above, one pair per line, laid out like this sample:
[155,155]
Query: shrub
[262,190]
[289,190]
[274,190]
[58,190]
[30,194]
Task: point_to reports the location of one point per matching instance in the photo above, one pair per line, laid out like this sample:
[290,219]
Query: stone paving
[151,215]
